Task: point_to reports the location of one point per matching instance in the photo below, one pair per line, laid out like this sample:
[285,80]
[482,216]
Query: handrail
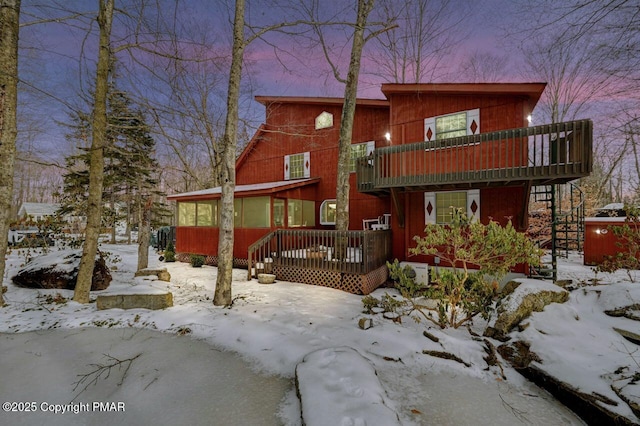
[352,252]
[547,153]
[255,247]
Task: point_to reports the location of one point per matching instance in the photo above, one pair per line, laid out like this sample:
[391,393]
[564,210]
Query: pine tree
[129,167]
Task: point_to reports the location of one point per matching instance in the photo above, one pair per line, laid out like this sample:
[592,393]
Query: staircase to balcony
[566,205]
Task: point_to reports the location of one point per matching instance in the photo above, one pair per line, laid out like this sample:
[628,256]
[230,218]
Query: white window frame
[472,115]
[371,145]
[430,214]
[306,165]
[322,207]
[324,120]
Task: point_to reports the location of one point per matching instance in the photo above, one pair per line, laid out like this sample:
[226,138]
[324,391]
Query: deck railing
[353,252]
[551,153]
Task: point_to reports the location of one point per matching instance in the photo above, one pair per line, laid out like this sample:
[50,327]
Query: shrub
[463,244]
[196,260]
[170,253]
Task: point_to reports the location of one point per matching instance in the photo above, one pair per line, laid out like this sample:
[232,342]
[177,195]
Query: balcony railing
[351,252]
[551,153]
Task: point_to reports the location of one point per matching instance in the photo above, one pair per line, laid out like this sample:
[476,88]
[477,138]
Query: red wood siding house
[422,149]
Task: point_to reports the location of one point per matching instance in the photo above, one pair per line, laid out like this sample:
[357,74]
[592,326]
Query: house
[416,153]
[38,212]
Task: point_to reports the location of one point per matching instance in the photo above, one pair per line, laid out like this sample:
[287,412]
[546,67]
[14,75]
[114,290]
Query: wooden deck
[540,155]
[354,261]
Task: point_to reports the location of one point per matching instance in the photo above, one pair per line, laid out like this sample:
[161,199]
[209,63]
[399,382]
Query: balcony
[539,155]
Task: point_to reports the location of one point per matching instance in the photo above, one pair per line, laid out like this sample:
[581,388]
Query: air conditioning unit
[421,270]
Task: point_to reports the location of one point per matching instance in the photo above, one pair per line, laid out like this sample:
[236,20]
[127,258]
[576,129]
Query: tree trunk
[222,296]
[9,25]
[96,167]
[144,234]
[346,122]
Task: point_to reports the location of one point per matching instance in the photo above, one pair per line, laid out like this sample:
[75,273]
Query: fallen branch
[103,371]
[446,355]
[492,357]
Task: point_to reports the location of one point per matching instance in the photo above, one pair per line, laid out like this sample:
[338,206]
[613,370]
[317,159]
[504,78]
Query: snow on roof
[245,188]
[38,209]
[612,206]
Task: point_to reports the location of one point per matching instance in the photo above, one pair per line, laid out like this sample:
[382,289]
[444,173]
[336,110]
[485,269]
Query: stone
[133,301]
[266,278]
[523,298]
[59,270]
[365,323]
[339,386]
[161,273]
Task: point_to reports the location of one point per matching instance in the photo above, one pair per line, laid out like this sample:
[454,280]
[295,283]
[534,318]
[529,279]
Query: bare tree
[348,113]
[96,167]
[227,176]
[484,67]
[418,48]
[9,28]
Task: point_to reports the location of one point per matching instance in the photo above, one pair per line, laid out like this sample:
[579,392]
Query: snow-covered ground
[273,327]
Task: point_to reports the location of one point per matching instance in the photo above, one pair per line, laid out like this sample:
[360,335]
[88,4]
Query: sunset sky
[57,59]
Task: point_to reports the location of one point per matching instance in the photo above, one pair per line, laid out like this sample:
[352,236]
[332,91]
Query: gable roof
[38,209]
[305,100]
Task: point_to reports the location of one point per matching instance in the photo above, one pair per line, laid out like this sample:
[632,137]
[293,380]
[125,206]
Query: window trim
[320,122]
[322,216]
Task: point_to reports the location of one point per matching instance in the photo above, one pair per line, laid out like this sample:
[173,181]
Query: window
[201,213]
[187,214]
[207,213]
[278,212]
[297,166]
[301,213]
[328,212]
[324,120]
[446,202]
[256,212]
[437,205]
[452,125]
[359,150]
[237,212]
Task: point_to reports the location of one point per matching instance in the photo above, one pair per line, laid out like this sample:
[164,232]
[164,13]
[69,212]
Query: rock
[161,273]
[365,323]
[518,354]
[266,278]
[59,270]
[338,386]
[523,298]
[133,301]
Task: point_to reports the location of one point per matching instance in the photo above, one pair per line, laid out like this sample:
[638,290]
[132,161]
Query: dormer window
[324,120]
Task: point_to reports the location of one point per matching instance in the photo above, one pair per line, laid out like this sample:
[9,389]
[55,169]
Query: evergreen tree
[129,167]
